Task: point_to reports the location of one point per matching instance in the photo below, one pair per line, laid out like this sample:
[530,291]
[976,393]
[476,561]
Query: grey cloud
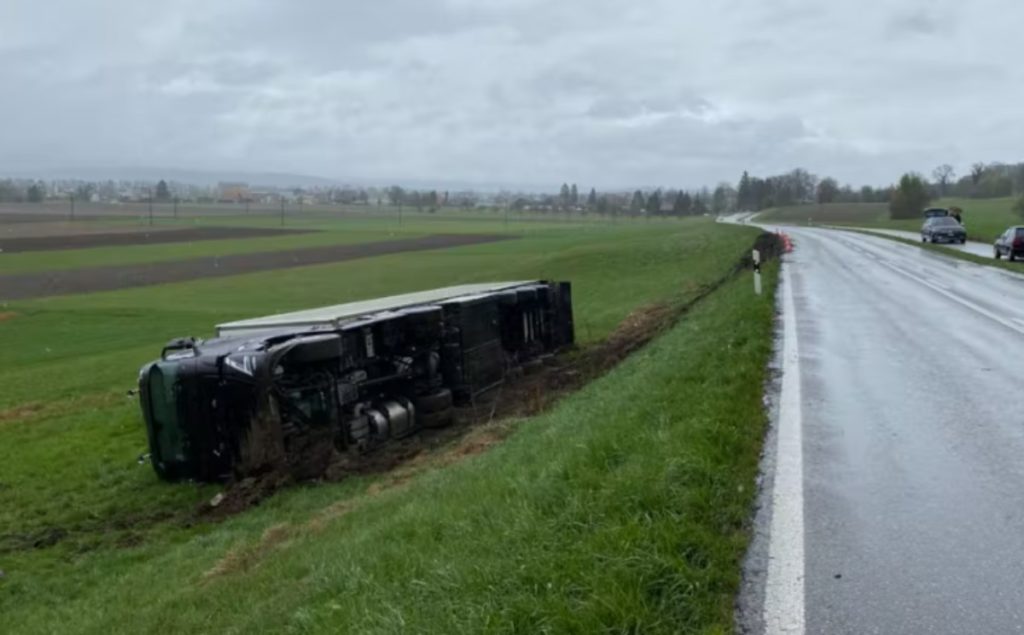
[597,91]
[917,22]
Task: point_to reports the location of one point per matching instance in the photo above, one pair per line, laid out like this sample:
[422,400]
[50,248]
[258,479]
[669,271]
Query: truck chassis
[289,392]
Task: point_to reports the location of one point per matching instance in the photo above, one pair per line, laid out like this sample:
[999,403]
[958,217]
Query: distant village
[569,199]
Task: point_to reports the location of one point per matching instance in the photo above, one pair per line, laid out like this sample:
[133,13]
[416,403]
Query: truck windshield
[163,408]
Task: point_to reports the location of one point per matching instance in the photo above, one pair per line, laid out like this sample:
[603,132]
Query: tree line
[800,187]
[12,191]
[993,180]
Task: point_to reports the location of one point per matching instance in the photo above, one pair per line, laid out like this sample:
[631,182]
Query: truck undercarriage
[289,392]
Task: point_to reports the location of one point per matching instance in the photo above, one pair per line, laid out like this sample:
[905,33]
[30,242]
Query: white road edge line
[784,584]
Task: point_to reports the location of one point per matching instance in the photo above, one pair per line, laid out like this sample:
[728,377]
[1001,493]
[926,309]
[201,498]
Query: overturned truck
[289,393]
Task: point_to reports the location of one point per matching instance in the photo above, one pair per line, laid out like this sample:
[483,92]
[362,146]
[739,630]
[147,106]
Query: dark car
[1010,244]
[933,212]
[943,229]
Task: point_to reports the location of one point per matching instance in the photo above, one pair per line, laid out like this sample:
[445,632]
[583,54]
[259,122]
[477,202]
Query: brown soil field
[49,227]
[109,278]
[133,236]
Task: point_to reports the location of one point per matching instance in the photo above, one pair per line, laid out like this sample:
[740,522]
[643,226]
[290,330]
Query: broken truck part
[289,392]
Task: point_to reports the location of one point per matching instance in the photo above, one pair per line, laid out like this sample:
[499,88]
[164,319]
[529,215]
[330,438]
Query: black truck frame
[290,392]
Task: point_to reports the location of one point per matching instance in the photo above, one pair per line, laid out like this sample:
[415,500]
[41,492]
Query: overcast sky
[613,94]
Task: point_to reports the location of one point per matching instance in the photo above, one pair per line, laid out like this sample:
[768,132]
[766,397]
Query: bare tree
[943,175]
[977,170]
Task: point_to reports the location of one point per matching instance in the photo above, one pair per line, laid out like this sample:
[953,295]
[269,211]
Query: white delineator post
[757,272]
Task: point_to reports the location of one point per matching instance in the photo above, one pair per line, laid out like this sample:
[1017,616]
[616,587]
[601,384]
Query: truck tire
[434,402]
[439,419]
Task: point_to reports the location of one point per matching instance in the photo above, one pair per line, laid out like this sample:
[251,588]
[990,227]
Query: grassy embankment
[984,218]
[623,508]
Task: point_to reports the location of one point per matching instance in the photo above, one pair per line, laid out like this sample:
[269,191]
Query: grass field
[330,229]
[985,219]
[622,509]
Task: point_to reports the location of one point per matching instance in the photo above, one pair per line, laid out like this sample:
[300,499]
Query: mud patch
[25,411]
[38,409]
[81,537]
[7,315]
[245,557]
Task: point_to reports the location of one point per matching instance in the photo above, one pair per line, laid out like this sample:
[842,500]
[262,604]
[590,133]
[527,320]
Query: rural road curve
[894,497]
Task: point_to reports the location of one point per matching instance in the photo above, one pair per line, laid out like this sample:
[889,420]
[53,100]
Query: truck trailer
[291,392]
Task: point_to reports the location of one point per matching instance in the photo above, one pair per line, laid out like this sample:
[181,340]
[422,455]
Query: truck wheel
[440,419]
[434,402]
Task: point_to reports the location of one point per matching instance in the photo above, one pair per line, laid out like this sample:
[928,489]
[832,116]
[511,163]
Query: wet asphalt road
[912,405]
[971,246]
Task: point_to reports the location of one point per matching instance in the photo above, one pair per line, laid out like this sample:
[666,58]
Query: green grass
[33,261]
[985,219]
[330,229]
[622,509]
[98,341]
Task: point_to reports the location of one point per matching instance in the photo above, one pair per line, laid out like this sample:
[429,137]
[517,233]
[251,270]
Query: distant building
[233,192]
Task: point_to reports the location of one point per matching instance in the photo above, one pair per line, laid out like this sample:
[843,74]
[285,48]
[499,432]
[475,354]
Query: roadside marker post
[757,271]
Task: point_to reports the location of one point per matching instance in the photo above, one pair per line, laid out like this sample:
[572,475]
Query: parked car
[934,212]
[943,229]
[1010,244]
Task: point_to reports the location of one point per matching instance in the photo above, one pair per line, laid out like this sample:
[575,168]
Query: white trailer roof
[341,313]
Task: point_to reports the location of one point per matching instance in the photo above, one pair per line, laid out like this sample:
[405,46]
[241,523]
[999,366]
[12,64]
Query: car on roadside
[943,229]
[1010,244]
